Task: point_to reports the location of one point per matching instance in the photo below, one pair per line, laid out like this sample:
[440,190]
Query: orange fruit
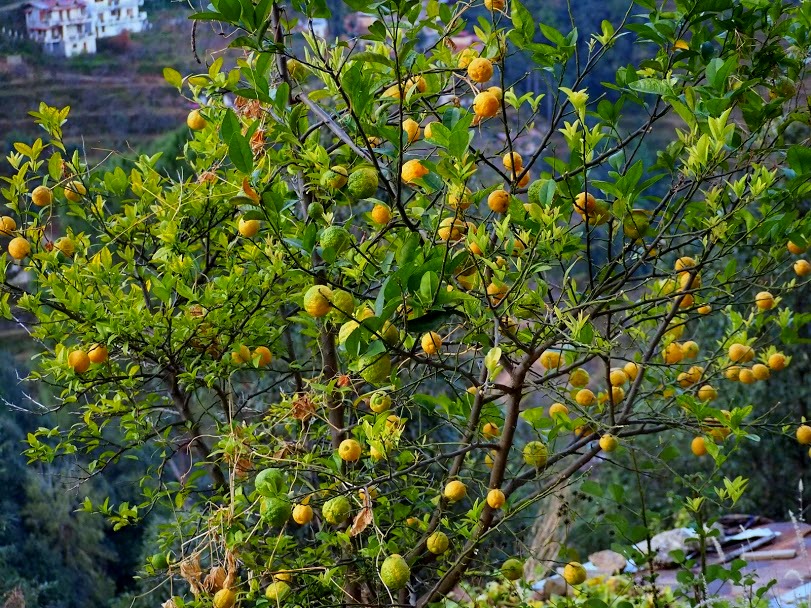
[480,70]
[431,342]
[496,498]
[7,225]
[74,191]
[349,450]
[79,361]
[698,446]
[499,201]
[195,121]
[248,228]
[264,354]
[777,361]
[19,248]
[486,105]
[98,353]
[42,196]
[584,397]
[412,171]
[381,214]
[412,129]
[764,300]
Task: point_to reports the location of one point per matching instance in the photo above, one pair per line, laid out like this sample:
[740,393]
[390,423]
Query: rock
[554,585]
[608,562]
[665,542]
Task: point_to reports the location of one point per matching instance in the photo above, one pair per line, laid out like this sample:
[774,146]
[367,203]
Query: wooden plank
[767,555]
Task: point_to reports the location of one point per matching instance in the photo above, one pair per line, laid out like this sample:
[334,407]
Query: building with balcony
[71,27]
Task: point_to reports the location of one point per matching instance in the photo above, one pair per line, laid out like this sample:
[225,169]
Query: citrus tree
[401,299]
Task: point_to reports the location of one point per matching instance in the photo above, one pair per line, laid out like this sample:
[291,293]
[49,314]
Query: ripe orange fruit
[195,121]
[494,5]
[98,353]
[302,514]
[550,359]
[764,300]
[241,355]
[19,248]
[688,282]
[689,349]
[7,225]
[317,300]
[496,498]
[524,181]
[802,268]
[497,292]
[558,409]
[796,249]
[413,170]
[451,229]
[381,214]
[585,203]
[248,228]
[74,191]
[431,342]
[265,356]
[707,393]
[681,45]
[631,370]
[42,196]
[480,70]
[746,376]
[732,372]
[760,371]
[574,573]
[499,201]
[496,92]
[349,450]
[513,160]
[584,397]
[684,263]
[428,130]
[79,361]
[617,377]
[412,129]
[608,443]
[777,361]
[490,430]
[698,446]
[486,105]
[804,434]
[673,353]
[455,490]
[741,353]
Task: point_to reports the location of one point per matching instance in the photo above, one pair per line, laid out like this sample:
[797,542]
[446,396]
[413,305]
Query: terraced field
[118,97]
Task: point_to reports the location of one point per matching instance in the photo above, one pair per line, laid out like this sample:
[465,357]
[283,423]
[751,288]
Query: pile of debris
[779,551]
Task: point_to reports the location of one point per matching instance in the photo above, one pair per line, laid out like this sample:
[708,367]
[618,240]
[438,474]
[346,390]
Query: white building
[71,27]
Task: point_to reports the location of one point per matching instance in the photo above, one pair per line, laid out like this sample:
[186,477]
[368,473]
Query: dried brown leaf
[364,517]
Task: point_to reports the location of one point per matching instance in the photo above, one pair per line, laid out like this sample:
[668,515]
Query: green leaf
[654,86]
[173,77]
[239,152]
[522,20]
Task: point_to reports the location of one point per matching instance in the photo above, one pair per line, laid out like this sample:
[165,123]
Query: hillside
[118,97]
